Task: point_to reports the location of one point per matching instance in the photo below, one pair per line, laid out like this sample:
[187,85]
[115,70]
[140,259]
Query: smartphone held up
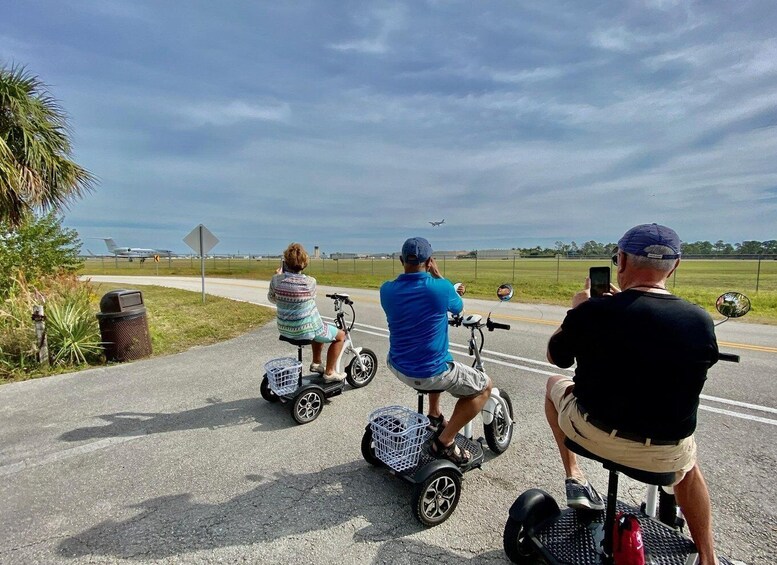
[600,280]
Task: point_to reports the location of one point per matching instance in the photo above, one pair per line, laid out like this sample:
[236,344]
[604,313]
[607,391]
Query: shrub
[71,326]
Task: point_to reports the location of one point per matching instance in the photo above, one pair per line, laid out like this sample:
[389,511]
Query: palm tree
[36,171]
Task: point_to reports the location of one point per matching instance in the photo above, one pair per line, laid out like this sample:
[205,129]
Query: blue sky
[350,125]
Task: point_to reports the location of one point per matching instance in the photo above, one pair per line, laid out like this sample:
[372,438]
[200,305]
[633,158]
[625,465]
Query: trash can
[124,325]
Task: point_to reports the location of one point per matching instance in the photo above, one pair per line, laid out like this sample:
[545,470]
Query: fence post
[558,265]
[513,269]
[393,272]
[758,275]
[40,333]
[476,265]
[354,265]
[443,266]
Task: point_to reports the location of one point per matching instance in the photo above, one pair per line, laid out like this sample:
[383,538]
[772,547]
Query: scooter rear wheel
[533,508]
[307,405]
[499,433]
[267,392]
[368,448]
[435,499]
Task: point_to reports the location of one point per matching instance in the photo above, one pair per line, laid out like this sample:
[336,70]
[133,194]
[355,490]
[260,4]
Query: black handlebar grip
[728,357]
[330,295]
[497,326]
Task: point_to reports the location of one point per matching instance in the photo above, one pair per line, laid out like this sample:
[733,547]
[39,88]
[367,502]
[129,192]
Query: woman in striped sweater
[298,317]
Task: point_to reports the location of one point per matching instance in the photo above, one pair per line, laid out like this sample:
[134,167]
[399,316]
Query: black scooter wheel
[368,448]
[267,392]
[530,510]
[307,405]
[499,433]
[516,545]
[435,499]
[354,374]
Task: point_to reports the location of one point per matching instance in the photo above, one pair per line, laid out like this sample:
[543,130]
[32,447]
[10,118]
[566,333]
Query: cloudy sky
[351,124]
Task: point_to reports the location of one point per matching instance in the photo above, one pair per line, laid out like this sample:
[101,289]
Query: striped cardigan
[298,317]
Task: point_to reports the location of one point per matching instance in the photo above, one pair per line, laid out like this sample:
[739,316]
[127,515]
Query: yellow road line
[748,346]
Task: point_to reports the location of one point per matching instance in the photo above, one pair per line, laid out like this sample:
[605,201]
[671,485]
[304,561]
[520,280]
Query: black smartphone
[600,280]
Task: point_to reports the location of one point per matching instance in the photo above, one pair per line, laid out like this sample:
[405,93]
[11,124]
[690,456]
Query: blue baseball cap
[639,238]
[418,248]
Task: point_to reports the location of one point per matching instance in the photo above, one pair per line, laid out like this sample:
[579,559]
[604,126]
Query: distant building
[340,256]
[316,252]
[496,253]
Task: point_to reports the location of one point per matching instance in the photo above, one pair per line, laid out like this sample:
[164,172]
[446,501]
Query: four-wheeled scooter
[537,529]
[284,382]
[397,437]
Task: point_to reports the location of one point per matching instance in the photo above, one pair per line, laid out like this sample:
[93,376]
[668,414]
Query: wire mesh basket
[398,434]
[283,375]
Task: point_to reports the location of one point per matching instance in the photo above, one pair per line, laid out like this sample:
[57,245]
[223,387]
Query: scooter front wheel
[499,433]
[357,377]
[267,392]
[435,499]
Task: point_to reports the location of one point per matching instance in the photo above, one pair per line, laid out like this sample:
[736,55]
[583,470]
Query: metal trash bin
[124,325]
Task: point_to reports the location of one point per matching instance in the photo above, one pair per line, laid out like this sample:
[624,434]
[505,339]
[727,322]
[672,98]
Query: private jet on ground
[435,224]
[134,252]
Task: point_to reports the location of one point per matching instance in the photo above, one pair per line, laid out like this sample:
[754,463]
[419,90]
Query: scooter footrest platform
[570,538]
[474,448]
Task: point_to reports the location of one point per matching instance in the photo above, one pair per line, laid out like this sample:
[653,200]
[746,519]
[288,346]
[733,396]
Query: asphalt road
[178,459]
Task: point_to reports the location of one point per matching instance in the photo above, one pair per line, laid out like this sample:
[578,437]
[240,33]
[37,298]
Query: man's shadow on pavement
[279,506]
[215,414]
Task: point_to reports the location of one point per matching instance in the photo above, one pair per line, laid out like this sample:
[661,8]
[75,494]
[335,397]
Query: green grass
[548,281]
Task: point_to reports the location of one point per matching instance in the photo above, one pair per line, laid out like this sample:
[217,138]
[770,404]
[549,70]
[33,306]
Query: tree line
[594,248]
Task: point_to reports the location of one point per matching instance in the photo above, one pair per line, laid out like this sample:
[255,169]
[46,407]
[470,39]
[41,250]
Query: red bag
[627,546]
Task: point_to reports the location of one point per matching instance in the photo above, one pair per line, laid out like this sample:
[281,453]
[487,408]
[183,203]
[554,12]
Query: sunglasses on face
[615,259]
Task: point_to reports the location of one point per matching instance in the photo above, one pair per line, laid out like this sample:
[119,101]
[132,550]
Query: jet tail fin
[110,244]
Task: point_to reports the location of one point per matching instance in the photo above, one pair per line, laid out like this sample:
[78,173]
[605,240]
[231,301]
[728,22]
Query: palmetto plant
[36,172]
[73,333]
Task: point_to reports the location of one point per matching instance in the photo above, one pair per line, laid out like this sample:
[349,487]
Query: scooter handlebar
[728,357]
[496,326]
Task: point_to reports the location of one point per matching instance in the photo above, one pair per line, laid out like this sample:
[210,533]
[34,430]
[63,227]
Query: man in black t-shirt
[642,358]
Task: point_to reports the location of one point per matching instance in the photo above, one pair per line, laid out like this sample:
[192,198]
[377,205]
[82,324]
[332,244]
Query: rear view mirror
[504,292]
[733,304]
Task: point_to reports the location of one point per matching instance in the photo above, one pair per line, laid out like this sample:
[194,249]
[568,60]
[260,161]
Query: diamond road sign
[201,240]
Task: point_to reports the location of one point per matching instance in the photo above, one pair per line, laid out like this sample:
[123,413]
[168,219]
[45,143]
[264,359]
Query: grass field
[550,281]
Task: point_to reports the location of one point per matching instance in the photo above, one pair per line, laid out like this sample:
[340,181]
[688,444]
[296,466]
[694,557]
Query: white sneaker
[335,377]
[317,368]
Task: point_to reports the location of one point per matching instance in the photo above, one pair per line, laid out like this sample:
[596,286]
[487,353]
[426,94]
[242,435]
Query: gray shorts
[460,380]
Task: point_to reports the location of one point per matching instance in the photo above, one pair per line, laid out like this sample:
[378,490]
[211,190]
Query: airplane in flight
[134,252]
[435,224]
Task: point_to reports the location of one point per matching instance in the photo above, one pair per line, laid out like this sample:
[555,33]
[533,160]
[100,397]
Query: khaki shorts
[460,380]
[678,458]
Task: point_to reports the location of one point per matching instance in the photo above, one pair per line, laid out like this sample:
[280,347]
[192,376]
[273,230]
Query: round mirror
[504,292]
[733,304]
[460,288]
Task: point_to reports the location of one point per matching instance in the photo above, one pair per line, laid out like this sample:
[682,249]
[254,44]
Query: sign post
[201,241]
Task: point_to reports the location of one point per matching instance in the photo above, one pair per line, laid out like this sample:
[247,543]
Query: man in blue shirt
[417,303]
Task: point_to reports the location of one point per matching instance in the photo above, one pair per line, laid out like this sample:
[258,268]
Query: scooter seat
[647,477]
[297,342]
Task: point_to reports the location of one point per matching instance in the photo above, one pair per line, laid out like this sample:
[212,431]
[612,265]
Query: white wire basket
[283,375]
[398,434]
